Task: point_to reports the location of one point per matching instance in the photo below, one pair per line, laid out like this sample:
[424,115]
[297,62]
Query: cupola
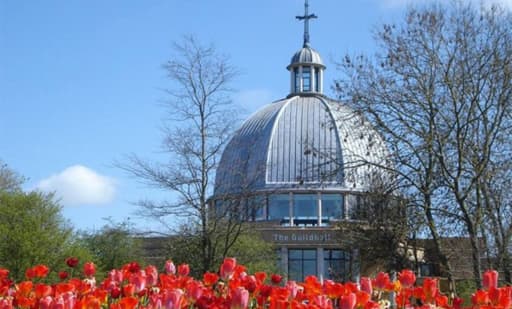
[306,66]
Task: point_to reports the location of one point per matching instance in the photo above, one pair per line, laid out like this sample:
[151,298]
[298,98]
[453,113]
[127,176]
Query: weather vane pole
[306,19]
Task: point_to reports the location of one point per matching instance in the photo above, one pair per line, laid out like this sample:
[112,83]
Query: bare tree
[440,93]
[200,120]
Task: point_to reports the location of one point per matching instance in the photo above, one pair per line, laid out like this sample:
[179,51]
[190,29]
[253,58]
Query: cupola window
[317,81]
[306,79]
[297,79]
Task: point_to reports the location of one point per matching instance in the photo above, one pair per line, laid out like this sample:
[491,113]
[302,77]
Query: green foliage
[249,249]
[9,179]
[32,231]
[255,253]
[465,288]
[112,246]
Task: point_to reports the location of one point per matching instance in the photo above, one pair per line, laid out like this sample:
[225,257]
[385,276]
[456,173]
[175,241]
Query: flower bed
[133,287]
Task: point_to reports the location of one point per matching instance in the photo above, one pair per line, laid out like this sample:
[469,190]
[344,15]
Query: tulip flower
[170,268]
[490,279]
[89,269]
[348,301]
[72,262]
[240,299]
[276,279]
[366,285]
[183,270]
[382,281]
[406,278]
[227,269]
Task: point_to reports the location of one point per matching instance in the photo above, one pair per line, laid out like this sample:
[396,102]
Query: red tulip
[40,271]
[129,289]
[4,273]
[42,290]
[89,269]
[480,298]
[348,301]
[115,292]
[366,285]
[430,289]
[240,299]
[210,278]
[490,279]
[72,262]
[183,270]
[382,281]
[227,269]
[276,279]
[407,278]
[128,302]
[63,275]
[457,303]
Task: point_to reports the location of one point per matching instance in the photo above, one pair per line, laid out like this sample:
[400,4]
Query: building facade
[299,166]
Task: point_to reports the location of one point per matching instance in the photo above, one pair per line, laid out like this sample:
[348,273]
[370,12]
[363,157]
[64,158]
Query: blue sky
[81,81]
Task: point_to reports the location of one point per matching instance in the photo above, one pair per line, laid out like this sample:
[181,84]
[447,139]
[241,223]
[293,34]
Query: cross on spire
[306,19]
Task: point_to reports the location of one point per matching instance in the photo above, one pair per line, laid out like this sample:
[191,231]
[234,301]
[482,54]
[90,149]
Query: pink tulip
[45,302]
[170,268]
[240,298]
[172,299]
[151,275]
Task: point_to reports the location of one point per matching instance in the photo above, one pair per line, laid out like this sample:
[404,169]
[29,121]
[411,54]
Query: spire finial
[306,19]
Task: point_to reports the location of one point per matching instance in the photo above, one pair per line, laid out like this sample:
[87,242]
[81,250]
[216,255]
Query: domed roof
[301,142]
[306,55]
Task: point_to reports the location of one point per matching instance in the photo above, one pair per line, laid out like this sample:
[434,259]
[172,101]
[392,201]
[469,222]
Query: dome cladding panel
[306,55]
[303,141]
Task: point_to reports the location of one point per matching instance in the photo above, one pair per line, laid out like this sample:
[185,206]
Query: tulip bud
[170,268]
[490,279]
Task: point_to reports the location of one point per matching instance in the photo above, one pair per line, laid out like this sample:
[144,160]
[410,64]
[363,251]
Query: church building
[301,165]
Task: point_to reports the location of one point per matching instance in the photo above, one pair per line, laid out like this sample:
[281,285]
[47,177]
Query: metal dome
[306,55]
[301,142]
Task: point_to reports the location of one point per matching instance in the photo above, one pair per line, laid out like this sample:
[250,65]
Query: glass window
[297,79]
[256,206]
[317,84]
[278,206]
[332,206]
[336,265]
[305,210]
[355,206]
[301,263]
[306,79]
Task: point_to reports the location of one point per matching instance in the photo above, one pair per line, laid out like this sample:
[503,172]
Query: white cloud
[79,185]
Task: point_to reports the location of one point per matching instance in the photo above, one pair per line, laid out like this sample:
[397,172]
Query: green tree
[113,246]
[9,179]
[32,231]
[249,249]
